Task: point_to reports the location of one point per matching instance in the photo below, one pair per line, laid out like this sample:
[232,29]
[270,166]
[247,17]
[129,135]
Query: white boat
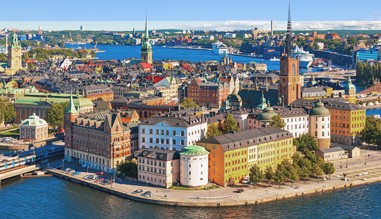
[274,59]
[305,58]
[219,48]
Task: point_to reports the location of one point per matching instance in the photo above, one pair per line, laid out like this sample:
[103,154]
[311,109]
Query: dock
[17,171]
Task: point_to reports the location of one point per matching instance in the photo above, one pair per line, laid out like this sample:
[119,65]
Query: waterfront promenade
[226,196]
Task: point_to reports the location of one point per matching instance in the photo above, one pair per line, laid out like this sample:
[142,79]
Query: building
[194,166]
[208,94]
[290,83]
[97,140]
[158,167]
[14,56]
[232,155]
[40,103]
[176,130]
[347,122]
[168,88]
[33,129]
[146,51]
[362,55]
[330,154]
[320,121]
[296,120]
[96,92]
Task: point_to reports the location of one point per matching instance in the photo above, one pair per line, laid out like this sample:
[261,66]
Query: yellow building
[347,121]
[232,155]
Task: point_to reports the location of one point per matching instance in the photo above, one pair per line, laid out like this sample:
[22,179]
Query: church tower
[350,92]
[146,52]
[14,56]
[290,84]
[69,118]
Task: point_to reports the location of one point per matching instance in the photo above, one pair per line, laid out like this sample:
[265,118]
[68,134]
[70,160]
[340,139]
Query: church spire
[146,26]
[288,34]
[71,107]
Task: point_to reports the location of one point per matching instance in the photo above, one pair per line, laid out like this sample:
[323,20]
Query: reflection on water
[51,197]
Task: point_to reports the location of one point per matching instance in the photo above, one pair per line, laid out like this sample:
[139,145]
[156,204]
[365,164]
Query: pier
[17,171]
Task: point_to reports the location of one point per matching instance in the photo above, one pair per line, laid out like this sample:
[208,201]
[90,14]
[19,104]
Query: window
[143,130]
[167,132]
[190,173]
[173,141]
[182,142]
[151,131]
[190,165]
[174,132]
[182,133]
[143,139]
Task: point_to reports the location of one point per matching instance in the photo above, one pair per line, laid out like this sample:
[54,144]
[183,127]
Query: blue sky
[191,10]
[191,14]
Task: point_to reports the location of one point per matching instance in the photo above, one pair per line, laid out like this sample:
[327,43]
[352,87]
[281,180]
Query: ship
[219,48]
[305,58]
[274,59]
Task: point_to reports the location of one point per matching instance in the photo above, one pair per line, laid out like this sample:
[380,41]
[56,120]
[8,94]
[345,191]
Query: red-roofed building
[146,67]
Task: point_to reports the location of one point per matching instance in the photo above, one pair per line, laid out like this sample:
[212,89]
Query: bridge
[17,171]
[332,75]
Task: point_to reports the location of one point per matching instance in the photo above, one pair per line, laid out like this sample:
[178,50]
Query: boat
[274,59]
[305,58]
[322,67]
[219,48]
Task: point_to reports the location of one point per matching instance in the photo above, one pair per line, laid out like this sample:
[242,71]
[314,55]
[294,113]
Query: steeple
[288,45]
[146,51]
[146,27]
[71,107]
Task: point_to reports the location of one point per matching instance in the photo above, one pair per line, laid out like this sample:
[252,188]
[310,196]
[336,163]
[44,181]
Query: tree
[317,171]
[279,176]
[329,169]
[269,174]
[188,103]
[305,143]
[7,111]
[229,124]
[371,134]
[128,168]
[213,130]
[55,116]
[255,174]
[277,122]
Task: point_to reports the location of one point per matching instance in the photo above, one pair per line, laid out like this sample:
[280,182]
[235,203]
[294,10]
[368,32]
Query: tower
[289,86]
[319,124]
[350,92]
[14,55]
[146,52]
[69,117]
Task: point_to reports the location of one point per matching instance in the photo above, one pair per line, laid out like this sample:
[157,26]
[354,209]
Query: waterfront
[76,201]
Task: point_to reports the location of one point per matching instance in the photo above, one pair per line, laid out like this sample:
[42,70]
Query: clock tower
[146,51]
[14,56]
[290,83]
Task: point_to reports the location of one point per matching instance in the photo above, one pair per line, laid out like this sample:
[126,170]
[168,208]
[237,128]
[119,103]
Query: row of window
[158,132]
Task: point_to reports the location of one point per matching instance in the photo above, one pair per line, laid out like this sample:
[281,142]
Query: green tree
[7,111]
[328,169]
[128,168]
[229,124]
[55,116]
[269,174]
[213,130]
[188,103]
[255,174]
[317,171]
[277,121]
[305,143]
[279,176]
[371,134]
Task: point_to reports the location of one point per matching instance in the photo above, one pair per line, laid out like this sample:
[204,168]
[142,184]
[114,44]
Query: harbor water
[50,197]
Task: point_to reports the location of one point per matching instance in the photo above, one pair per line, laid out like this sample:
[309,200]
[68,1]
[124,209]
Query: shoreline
[216,201]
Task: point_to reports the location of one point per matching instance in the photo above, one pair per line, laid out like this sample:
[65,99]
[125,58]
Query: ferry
[219,48]
[274,59]
[305,58]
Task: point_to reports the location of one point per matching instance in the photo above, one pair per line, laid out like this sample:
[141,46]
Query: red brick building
[208,94]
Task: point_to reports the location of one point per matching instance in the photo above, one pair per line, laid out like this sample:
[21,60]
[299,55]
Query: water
[50,197]
[113,52]
[375,111]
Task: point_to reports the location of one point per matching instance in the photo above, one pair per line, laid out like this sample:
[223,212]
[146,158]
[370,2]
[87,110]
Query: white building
[296,120]
[320,125]
[194,166]
[34,129]
[158,131]
[168,88]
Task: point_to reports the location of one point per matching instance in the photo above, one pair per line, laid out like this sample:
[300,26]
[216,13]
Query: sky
[195,14]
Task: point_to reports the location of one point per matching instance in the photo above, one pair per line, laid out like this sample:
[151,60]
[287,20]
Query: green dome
[194,150]
[319,110]
[267,114]
[350,85]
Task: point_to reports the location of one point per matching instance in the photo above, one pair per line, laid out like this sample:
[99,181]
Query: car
[72,172]
[100,173]
[137,191]
[95,177]
[77,173]
[67,170]
[147,194]
[246,181]
[239,191]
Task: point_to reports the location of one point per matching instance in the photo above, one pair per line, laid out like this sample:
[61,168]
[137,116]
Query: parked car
[100,173]
[239,190]
[147,194]
[137,191]
[246,180]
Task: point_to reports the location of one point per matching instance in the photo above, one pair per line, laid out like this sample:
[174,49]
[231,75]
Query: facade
[347,121]
[95,92]
[96,140]
[290,83]
[208,93]
[194,166]
[232,155]
[168,88]
[320,121]
[146,51]
[40,103]
[330,154]
[14,93]
[168,131]
[363,55]
[158,167]
[33,129]
[14,56]
[296,120]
